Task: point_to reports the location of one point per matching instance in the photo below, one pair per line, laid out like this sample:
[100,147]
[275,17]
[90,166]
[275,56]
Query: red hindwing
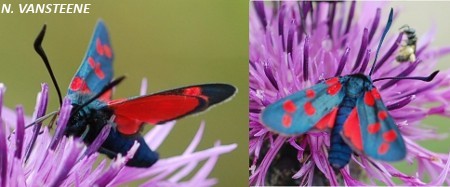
[166,106]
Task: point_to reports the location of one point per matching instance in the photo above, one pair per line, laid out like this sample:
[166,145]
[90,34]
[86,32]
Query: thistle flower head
[35,157]
[294,45]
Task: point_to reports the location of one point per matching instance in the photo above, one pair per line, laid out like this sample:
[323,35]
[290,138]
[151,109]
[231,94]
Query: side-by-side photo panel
[348,93]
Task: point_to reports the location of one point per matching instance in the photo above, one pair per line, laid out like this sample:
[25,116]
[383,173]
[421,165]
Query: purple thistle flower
[294,45]
[57,160]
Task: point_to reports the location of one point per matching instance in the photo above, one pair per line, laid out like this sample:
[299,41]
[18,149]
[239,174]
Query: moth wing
[314,107]
[96,69]
[167,106]
[370,129]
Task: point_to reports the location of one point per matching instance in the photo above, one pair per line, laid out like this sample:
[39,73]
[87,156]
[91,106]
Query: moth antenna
[36,121]
[386,29]
[113,83]
[426,79]
[41,52]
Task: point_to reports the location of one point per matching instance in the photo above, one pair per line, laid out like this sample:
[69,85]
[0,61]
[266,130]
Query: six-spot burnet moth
[350,108]
[90,94]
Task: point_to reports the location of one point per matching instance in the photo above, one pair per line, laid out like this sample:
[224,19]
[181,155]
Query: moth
[93,108]
[350,108]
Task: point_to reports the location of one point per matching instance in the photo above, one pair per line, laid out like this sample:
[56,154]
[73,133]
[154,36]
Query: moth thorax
[355,85]
[78,122]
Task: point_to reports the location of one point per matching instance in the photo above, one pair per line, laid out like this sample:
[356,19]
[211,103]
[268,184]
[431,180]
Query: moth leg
[85,133]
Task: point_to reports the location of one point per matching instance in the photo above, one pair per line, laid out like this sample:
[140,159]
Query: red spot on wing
[103,50]
[383,149]
[334,89]
[332,81]
[390,136]
[286,120]
[382,115]
[194,91]
[99,46]
[328,120]
[310,93]
[78,84]
[289,106]
[376,95]
[309,109]
[107,50]
[368,99]
[155,109]
[334,86]
[352,131]
[97,68]
[373,128]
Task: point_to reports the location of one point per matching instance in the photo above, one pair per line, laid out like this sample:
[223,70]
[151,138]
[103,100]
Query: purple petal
[306,59]
[197,137]
[270,76]
[20,132]
[267,160]
[68,161]
[362,49]
[342,62]
[401,103]
[351,13]
[3,146]
[281,20]
[375,23]
[95,145]
[259,7]
[116,167]
[365,61]
[203,173]
[143,87]
[64,116]
[41,107]
[404,73]
[331,14]
[158,134]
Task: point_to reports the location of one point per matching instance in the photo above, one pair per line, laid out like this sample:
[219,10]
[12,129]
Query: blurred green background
[172,43]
